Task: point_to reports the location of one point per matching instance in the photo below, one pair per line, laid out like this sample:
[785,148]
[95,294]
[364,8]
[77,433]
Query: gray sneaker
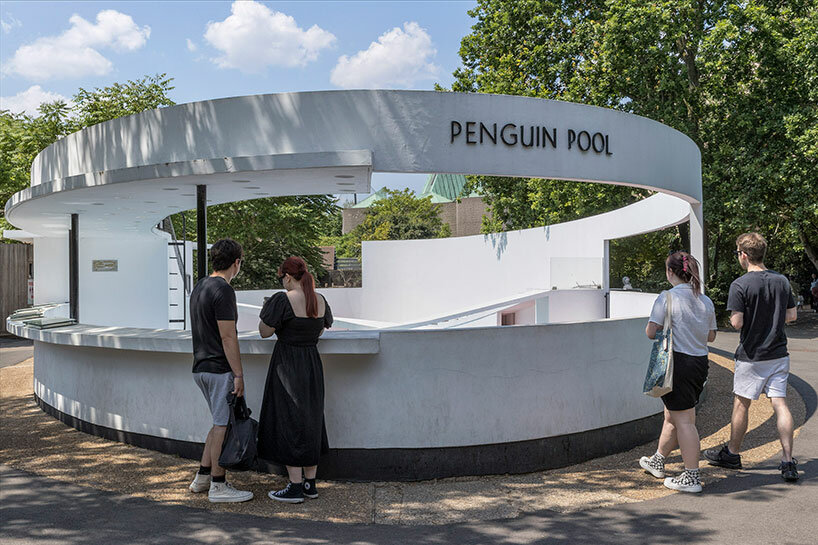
[201,483]
[685,482]
[653,465]
[225,493]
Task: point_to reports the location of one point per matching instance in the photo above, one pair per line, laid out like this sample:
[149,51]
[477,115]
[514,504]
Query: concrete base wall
[423,389]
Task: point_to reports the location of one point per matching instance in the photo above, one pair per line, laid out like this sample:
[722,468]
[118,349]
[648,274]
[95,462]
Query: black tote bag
[239,449]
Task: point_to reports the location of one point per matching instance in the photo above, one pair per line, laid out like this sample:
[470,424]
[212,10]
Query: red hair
[297,268]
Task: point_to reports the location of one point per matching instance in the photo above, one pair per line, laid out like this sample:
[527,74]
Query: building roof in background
[369,201]
[447,187]
[441,188]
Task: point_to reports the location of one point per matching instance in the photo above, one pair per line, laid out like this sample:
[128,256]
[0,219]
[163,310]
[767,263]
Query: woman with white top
[693,322]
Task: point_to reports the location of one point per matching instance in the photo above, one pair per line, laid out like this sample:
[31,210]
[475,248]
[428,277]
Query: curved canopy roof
[129,173]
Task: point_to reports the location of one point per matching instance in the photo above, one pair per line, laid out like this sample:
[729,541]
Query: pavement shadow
[37,509]
[763,483]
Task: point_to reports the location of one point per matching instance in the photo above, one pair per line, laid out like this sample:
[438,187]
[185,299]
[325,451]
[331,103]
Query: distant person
[813,291]
[291,424]
[693,322]
[217,363]
[626,283]
[761,302]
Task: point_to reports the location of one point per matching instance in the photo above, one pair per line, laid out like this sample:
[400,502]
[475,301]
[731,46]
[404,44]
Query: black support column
[74,268]
[201,231]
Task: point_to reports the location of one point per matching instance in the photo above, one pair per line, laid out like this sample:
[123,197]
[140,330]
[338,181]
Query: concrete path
[752,507]
[13,350]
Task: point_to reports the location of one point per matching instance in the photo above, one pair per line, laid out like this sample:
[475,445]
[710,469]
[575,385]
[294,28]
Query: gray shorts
[215,387]
[753,378]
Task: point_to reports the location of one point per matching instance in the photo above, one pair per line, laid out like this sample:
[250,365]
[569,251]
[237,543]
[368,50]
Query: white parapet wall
[420,389]
[627,304]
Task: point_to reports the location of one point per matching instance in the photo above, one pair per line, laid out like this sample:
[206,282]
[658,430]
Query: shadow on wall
[499,242]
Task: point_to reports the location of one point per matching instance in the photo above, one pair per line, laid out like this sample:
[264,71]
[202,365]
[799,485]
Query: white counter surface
[172,340]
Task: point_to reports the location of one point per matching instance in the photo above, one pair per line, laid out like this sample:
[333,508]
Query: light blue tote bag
[659,380]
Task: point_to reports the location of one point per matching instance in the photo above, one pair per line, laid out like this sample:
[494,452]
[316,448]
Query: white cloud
[400,58]
[191,46]
[27,102]
[254,37]
[74,53]
[9,23]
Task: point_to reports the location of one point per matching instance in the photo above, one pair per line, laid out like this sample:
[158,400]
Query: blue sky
[217,49]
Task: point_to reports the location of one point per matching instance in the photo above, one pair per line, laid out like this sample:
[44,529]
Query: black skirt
[689,376]
[291,424]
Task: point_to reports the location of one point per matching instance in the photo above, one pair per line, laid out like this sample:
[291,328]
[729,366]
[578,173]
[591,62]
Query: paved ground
[752,506]
[13,350]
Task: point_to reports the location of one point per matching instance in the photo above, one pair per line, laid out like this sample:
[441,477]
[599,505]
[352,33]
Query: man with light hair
[761,302]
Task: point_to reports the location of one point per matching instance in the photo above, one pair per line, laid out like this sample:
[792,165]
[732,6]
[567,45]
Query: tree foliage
[739,78]
[398,216]
[270,230]
[22,137]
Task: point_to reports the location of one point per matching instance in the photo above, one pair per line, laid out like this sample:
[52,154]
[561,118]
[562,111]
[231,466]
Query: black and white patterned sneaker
[687,481]
[655,465]
[294,493]
[309,489]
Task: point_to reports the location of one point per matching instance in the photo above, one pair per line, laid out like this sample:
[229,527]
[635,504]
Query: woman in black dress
[291,424]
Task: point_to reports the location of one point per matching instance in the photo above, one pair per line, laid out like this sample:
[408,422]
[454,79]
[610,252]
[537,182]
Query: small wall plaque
[105,265]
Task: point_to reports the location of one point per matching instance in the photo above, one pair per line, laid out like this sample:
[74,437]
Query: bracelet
[238,376]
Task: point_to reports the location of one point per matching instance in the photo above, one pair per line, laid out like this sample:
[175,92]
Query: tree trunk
[715,257]
[811,251]
[684,234]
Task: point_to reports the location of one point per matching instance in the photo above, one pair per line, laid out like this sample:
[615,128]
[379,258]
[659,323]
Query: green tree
[120,99]
[398,216]
[738,78]
[269,230]
[22,137]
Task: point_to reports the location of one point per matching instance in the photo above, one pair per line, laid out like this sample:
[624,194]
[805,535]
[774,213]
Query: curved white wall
[413,280]
[422,389]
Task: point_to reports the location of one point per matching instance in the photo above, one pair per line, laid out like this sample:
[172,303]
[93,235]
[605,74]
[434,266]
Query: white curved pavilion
[422,381]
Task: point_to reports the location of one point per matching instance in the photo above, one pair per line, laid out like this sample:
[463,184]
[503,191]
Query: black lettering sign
[491,135]
[572,137]
[470,132]
[529,136]
[551,139]
[456,127]
[601,142]
[514,134]
[587,141]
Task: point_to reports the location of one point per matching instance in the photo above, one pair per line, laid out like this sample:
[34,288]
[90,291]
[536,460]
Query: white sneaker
[653,466]
[225,493]
[200,483]
[685,482]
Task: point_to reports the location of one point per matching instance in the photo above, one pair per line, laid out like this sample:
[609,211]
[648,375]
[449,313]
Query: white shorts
[769,376]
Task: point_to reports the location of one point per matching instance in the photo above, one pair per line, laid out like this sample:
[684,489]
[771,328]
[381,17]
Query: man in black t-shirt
[217,363]
[761,303]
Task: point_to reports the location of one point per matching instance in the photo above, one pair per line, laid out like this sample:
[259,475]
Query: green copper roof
[440,187]
[369,201]
[444,187]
